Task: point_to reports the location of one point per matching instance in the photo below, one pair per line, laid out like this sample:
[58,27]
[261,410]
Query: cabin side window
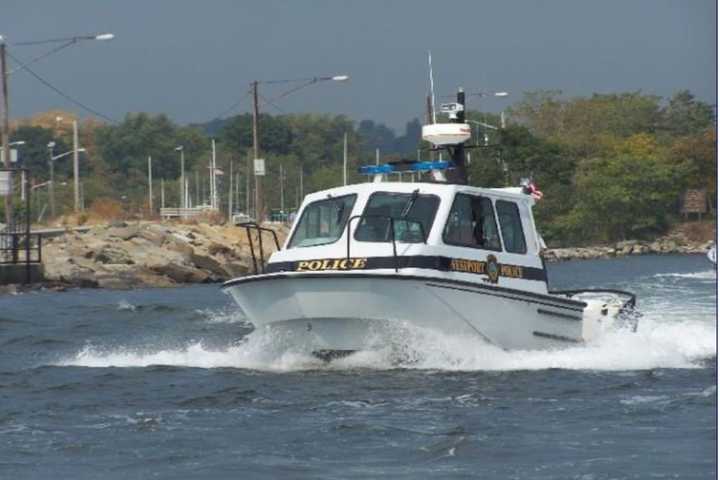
[413,215]
[471,223]
[511,227]
[322,222]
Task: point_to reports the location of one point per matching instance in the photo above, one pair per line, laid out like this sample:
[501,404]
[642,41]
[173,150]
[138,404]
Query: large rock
[114,255]
[63,269]
[182,273]
[177,243]
[123,233]
[207,262]
[219,249]
[154,234]
[236,269]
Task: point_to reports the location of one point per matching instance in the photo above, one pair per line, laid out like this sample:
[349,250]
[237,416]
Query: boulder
[182,273]
[177,244]
[153,235]
[123,233]
[219,249]
[61,269]
[114,255]
[236,269]
[207,262]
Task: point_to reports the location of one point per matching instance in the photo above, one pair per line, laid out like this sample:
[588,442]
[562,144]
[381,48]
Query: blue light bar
[409,167]
[426,166]
[376,169]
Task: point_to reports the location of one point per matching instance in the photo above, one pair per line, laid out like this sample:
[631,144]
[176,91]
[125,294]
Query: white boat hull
[348,312]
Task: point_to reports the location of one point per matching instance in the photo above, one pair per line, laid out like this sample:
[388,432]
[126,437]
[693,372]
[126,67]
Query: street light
[259,207]
[4,74]
[53,158]
[76,161]
[489,94]
[181,149]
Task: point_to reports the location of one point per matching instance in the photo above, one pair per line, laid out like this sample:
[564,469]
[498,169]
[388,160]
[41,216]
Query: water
[171,384]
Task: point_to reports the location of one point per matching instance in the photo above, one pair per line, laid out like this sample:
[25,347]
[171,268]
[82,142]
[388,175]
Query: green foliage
[274,136]
[34,154]
[622,197]
[684,115]
[127,146]
[611,166]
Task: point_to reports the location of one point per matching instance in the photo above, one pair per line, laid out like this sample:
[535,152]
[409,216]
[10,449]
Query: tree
[275,135]
[684,115]
[375,135]
[126,147]
[621,197]
[34,154]
[696,155]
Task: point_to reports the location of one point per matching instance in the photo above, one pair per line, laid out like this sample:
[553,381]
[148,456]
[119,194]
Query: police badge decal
[492,269]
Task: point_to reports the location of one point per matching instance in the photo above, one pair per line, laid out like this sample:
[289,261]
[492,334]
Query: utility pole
[237,191]
[259,204]
[248,169]
[182,176]
[214,193]
[150,192]
[210,182]
[162,193]
[5,127]
[282,191]
[51,186]
[345,159]
[230,193]
[76,166]
[301,185]
[197,188]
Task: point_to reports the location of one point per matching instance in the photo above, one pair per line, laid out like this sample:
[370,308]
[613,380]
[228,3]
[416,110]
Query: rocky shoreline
[151,254]
[663,246]
[145,254]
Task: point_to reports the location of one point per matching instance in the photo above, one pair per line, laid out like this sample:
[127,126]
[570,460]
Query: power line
[44,55]
[271,103]
[247,94]
[60,92]
[232,107]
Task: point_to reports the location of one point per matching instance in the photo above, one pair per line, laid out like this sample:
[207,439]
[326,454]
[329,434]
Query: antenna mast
[432,87]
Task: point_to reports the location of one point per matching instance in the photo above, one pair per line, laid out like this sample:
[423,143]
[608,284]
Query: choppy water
[172,384]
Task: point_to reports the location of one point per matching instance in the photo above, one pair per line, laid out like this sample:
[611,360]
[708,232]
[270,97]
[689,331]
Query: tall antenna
[432,86]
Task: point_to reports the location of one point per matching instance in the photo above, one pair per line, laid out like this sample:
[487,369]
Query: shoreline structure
[125,255]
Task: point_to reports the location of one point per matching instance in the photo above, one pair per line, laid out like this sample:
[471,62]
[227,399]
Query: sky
[193,59]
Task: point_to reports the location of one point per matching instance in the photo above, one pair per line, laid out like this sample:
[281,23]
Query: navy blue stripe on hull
[539,298]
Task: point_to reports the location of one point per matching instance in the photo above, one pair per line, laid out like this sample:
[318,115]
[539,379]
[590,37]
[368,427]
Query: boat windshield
[322,222]
[413,215]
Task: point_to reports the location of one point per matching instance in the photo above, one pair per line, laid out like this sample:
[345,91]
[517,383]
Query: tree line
[611,166]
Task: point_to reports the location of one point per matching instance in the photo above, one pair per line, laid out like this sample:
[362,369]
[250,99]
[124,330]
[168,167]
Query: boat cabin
[429,230]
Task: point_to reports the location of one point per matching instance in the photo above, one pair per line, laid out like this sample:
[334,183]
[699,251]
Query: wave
[658,343]
[704,275]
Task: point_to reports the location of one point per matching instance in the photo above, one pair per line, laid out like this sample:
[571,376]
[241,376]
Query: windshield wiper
[410,203]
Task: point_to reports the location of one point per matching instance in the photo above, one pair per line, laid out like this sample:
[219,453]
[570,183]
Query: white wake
[671,334]
[658,343]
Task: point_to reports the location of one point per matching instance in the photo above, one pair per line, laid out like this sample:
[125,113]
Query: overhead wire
[272,103]
[58,91]
[233,106]
[46,54]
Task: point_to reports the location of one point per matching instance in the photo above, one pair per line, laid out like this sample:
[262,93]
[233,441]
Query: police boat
[363,262]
